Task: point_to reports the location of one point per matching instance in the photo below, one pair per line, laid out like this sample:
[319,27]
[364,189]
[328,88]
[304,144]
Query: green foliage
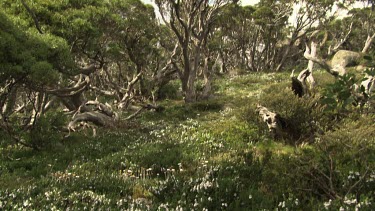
[342,164]
[339,95]
[46,131]
[207,105]
[202,156]
[301,117]
[170,91]
[213,190]
[346,92]
[205,155]
[37,58]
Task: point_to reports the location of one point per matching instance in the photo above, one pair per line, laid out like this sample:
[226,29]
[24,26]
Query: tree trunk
[310,65]
[283,58]
[207,79]
[10,103]
[185,76]
[190,93]
[368,43]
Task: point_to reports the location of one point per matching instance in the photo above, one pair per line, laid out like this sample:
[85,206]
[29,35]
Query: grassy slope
[204,155]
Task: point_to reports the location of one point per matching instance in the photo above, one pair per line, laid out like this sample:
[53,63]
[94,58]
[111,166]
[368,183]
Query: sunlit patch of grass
[274,147]
[227,156]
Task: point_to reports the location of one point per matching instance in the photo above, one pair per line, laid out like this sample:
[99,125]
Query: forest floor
[210,155]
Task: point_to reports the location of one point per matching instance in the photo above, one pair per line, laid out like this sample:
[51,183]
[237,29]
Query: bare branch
[342,41]
[126,99]
[324,64]
[67,92]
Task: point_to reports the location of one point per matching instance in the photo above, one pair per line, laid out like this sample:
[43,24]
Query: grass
[205,155]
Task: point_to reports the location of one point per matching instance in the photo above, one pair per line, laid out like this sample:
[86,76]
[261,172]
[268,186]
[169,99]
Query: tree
[67,55]
[30,66]
[308,14]
[231,36]
[191,22]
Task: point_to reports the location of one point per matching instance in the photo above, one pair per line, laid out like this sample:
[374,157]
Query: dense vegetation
[107,105]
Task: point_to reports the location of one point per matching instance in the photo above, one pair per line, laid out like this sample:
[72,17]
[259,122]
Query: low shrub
[302,117]
[207,105]
[170,91]
[46,131]
[336,172]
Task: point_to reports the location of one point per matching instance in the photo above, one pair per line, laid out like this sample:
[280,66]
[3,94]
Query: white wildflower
[26,203]
[349,202]
[327,204]
[195,203]
[282,204]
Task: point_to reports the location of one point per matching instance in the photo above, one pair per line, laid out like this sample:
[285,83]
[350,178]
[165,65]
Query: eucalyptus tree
[191,22]
[271,19]
[57,52]
[233,36]
[307,15]
[346,51]
[30,67]
[251,36]
[131,35]
[353,34]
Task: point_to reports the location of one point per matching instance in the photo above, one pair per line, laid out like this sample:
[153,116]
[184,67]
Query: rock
[343,59]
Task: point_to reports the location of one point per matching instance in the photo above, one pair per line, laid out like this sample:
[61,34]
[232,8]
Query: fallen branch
[96,118]
[272,119]
[144,107]
[103,108]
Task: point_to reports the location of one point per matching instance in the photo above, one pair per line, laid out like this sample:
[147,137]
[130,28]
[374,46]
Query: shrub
[207,105]
[341,96]
[46,131]
[336,171]
[302,117]
[171,91]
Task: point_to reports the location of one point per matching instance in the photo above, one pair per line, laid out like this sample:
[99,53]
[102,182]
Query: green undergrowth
[209,155]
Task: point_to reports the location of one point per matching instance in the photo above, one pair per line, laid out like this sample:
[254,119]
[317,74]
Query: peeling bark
[104,108]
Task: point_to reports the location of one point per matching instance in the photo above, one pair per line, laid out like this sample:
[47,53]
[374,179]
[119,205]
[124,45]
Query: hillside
[208,155]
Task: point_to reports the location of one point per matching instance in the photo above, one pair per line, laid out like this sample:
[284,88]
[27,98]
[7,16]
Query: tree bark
[207,79]
[368,43]
[310,65]
[96,118]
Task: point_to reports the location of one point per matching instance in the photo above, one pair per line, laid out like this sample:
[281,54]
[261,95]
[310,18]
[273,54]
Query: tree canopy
[97,57]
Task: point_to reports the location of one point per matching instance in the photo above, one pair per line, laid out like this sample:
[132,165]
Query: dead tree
[337,67]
